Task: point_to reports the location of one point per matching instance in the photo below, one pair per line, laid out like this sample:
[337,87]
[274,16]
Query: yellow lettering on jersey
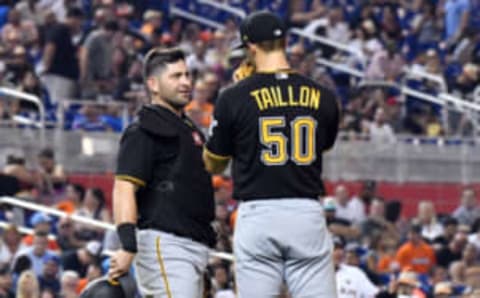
[274,96]
[267,99]
[315,98]
[281,102]
[257,99]
[291,100]
[304,96]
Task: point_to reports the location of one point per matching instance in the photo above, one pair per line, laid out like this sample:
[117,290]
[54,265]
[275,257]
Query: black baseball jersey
[162,153]
[275,126]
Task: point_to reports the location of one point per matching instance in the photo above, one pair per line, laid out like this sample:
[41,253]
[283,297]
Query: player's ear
[152,84]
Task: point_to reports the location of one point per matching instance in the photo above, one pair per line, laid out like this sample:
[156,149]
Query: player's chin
[184,98]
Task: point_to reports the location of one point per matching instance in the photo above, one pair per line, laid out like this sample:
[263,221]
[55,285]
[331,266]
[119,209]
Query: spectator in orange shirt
[200,103]
[73,198]
[152,20]
[41,223]
[416,254]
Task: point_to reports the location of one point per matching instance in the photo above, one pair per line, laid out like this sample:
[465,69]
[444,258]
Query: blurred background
[407,160]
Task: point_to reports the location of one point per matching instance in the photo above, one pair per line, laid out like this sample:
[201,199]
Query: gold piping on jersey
[134,180]
[163,272]
[214,155]
[280,96]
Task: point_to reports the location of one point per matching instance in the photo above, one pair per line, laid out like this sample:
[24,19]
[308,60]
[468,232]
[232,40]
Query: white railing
[193,17]
[9,92]
[225,7]
[82,220]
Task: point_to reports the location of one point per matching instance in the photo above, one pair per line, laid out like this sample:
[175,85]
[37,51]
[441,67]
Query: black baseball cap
[261,26]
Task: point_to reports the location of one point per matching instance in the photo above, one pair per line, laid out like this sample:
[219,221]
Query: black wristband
[128,239]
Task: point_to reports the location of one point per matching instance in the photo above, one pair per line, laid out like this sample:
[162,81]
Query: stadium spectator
[196,61]
[302,13]
[201,105]
[27,286]
[452,252]
[152,21]
[60,64]
[450,228]
[94,271]
[386,64]
[30,83]
[6,283]
[376,226]
[41,223]
[456,19]
[66,238]
[78,260]
[442,290]
[426,215]
[73,199]
[338,226]
[38,252]
[94,208]
[96,61]
[25,29]
[342,207]
[386,250]
[69,284]
[468,211]
[11,244]
[49,277]
[472,278]
[351,280]
[91,119]
[51,174]
[415,254]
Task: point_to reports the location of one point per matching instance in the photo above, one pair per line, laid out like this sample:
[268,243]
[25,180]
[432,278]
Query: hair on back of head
[158,58]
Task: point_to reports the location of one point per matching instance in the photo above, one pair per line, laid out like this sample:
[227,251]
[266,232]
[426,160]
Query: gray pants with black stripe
[283,241]
[169,266]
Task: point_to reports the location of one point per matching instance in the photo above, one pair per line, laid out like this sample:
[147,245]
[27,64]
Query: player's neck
[160,102]
[271,62]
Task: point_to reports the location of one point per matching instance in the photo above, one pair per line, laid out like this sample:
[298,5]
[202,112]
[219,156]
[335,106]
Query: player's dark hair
[157,59]
[272,45]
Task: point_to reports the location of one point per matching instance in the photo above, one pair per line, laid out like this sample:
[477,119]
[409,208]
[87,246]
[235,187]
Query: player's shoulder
[326,91]
[133,129]
[239,87]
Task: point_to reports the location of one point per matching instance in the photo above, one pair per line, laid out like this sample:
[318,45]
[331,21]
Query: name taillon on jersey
[286,96]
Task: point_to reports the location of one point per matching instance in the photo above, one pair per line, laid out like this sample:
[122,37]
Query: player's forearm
[124,205]
[214,165]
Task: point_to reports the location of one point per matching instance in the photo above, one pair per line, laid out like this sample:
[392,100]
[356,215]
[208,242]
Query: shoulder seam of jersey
[134,180]
[216,156]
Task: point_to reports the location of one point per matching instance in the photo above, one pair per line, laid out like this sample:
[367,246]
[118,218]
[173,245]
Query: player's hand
[120,263]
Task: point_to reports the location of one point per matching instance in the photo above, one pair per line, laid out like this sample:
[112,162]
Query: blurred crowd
[84,58]
[378,252]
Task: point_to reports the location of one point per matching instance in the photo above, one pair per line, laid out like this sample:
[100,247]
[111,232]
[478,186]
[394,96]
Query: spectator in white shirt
[345,208]
[431,228]
[468,211]
[379,130]
[351,281]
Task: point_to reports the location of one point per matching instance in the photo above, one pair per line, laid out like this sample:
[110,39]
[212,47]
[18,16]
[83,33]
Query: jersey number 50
[302,138]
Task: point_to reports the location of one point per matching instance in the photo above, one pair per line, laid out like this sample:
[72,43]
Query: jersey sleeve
[220,141]
[135,158]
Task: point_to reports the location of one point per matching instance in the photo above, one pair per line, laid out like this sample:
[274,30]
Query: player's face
[174,84]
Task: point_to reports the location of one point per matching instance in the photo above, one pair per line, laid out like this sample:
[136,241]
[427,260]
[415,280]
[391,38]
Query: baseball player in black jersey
[163,196]
[275,125]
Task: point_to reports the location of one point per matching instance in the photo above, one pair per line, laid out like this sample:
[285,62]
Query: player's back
[281,123]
